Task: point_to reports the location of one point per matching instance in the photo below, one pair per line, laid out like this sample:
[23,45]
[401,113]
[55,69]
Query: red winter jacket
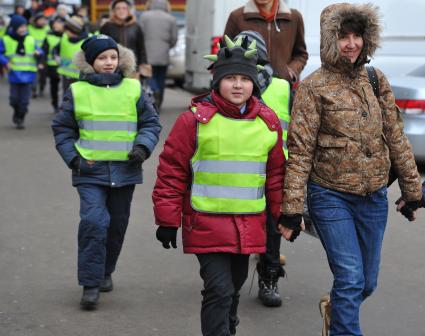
[203,232]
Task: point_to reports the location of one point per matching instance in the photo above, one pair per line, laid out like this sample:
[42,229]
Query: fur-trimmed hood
[127,62]
[330,24]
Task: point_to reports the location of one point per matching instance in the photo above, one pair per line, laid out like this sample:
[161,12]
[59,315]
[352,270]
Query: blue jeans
[351,229]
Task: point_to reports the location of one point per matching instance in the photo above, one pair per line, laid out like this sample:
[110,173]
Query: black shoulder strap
[373,79]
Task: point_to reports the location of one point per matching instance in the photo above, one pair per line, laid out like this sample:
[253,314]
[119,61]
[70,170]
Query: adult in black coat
[123,28]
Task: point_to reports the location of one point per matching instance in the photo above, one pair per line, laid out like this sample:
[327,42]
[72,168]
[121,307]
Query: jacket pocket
[330,152]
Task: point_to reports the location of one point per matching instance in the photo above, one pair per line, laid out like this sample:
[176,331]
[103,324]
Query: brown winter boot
[325,312]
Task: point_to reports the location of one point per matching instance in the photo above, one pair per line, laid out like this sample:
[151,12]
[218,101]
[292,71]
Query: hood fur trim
[127,62]
[330,24]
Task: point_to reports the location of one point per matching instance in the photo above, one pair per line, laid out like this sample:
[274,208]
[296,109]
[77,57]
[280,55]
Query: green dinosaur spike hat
[234,59]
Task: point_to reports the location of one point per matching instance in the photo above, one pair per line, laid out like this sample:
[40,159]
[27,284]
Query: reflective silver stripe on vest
[106,145]
[284,124]
[95,125]
[239,167]
[244,193]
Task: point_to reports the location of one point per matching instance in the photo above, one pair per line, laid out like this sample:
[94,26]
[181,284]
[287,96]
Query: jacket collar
[102,79]
[251,10]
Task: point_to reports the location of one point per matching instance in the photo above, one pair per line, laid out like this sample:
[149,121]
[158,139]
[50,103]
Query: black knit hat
[235,59]
[97,44]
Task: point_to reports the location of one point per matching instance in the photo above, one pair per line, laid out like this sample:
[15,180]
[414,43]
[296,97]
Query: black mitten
[292,222]
[137,155]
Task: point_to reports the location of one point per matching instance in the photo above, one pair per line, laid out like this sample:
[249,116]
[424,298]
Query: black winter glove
[167,235]
[410,207]
[137,155]
[292,222]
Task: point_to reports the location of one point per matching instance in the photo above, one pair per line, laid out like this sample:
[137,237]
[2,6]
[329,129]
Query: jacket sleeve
[65,129]
[301,143]
[3,59]
[141,56]
[299,52]
[148,124]
[275,176]
[231,28]
[401,153]
[173,33]
[45,48]
[174,173]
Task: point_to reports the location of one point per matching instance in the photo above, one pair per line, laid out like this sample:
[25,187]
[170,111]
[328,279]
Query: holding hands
[409,209]
[290,226]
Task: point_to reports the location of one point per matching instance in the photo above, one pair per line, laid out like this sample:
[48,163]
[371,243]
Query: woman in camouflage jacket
[342,141]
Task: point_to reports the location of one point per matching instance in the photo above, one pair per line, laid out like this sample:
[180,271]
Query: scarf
[269,16]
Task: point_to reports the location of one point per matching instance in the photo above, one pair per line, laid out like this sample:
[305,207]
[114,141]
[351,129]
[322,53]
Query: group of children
[31,52]
[220,174]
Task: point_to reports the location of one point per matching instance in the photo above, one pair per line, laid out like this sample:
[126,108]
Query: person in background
[342,142]
[281,27]
[51,42]
[229,168]
[19,54]
[35,7]
[68,46]
[38,29]
[160,31]
[63,11]
[105,130]
[123,28]
[276,94]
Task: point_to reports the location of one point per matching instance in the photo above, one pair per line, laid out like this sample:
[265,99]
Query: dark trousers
[66,82]
[271,259]
[19,99]
[54,84]
[157,83]
[40,81]
[104,214]
[223,275]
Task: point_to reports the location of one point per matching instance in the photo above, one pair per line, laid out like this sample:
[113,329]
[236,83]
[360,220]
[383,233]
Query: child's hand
[167,235]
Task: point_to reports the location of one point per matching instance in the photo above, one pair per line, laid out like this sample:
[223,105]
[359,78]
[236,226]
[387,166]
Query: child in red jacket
[222,163]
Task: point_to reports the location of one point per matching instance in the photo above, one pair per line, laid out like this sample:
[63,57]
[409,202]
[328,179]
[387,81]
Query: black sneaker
[90,298]
[233,323]
[106,285]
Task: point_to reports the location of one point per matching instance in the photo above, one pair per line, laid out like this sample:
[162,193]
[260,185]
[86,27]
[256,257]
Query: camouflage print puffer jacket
[340,135]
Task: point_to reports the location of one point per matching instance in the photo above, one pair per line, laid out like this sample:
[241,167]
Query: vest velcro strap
[240,167]
[95,125]
[243,193]
[106,145]
[284,124]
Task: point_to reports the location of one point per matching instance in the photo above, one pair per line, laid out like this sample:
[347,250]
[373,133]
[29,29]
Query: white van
[402,50]
[205,23]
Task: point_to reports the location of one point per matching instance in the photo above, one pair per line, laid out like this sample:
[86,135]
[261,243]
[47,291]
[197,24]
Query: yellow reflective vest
[277,97]
[107,119]
[229,165]
[18,62]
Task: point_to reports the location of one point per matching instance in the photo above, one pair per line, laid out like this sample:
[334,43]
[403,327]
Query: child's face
[22,30]
[106,62]
[237,89]
[58,26]
[41,22]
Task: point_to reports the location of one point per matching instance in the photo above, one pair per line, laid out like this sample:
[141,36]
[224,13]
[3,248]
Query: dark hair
[355,25]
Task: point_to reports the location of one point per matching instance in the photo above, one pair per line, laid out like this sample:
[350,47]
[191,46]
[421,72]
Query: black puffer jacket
[128,34]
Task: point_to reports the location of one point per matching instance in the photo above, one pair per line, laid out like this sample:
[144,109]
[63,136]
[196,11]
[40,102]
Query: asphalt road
[157,291]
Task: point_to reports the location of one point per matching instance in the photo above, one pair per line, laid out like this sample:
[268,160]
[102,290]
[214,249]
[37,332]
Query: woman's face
[236,89]
[121,10]
[350,46]
[106,62]
[22,30]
